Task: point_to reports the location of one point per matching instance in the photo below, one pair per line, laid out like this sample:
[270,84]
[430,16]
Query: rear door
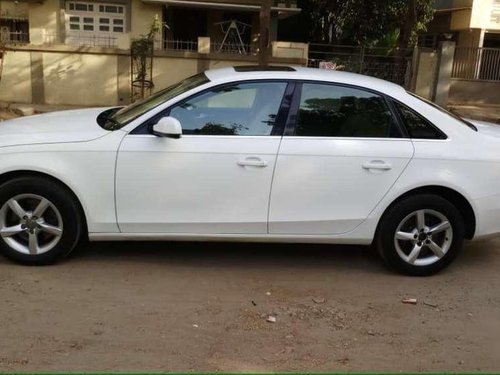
[339,158]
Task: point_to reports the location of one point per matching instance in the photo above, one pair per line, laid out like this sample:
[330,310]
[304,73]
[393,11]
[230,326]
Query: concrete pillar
[445,66]
[202,64]
[123,80]
[61,25]
[37,79]
[414,68]
[204,45]
[426,69]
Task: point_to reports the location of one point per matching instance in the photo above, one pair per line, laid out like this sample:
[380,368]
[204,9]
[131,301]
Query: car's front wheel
[39,220]
[420,235]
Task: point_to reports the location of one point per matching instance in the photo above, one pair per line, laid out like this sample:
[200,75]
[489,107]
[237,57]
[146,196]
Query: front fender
[86,168]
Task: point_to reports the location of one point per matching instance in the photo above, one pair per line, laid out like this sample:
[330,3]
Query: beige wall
[461,19]
[218,64]
[495,16]
[73,79]
[44,21]
[479,17]
[46,26]
[170,70]
[80,79]
[167,71]
[290,49]
[95,77]
[474,92]
[15,83]
[13,9]
[143,16]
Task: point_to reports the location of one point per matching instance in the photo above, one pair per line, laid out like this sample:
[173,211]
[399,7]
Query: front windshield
[451,114]
[125,115]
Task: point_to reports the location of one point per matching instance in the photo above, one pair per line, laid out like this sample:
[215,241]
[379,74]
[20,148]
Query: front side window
[416,126]
[247,109]
[119,118]
[337,111]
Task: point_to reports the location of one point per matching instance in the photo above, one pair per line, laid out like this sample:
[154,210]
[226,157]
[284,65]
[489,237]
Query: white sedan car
[276,154]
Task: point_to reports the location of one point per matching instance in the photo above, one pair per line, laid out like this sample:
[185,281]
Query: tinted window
[416,125]
[451,114]
[337,111]
[240,109]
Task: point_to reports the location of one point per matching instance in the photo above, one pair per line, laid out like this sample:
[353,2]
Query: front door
[344,155]
[216,178]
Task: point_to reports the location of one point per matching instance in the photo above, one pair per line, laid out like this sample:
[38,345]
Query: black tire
[63,201]
[385,237]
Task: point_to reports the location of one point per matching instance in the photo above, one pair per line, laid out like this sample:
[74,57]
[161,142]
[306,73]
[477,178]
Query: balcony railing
[215,47]
[201,46]
[14,37]
[231,48]
[178,45]
[474,63]
[106,41]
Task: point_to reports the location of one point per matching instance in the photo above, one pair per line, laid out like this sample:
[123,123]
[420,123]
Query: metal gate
[477,63]
[389,64]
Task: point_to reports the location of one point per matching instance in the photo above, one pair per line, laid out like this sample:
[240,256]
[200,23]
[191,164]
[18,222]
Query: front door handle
[377,164]
[252,161]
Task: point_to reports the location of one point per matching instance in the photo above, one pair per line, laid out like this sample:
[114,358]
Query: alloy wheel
[423,237]
[30,224]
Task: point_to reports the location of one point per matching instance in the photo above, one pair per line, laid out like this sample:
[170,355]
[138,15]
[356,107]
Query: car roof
[244,73]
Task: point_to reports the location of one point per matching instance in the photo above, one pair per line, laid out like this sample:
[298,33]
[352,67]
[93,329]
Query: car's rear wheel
[420,235]
[39,221]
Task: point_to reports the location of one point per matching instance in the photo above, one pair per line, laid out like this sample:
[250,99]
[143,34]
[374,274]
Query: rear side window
[337,111]
[417,126]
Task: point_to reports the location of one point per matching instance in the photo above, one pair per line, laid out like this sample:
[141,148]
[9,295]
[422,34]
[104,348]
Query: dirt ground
[203,307]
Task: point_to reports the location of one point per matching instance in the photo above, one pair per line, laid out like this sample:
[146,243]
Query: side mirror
[168,127]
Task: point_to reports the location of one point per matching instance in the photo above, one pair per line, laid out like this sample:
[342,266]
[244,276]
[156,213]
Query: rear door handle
[252,161]
[377,164]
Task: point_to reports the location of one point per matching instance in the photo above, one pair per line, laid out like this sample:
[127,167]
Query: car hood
[484,127]
[54,127]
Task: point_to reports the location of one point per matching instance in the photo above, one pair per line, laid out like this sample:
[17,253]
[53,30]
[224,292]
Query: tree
[362,22]
[412,17]
[141,52]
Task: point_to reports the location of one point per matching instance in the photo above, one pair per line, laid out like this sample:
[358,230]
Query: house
[470,23]
[471,29]
[114,23]
[77,52]
[14,25]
